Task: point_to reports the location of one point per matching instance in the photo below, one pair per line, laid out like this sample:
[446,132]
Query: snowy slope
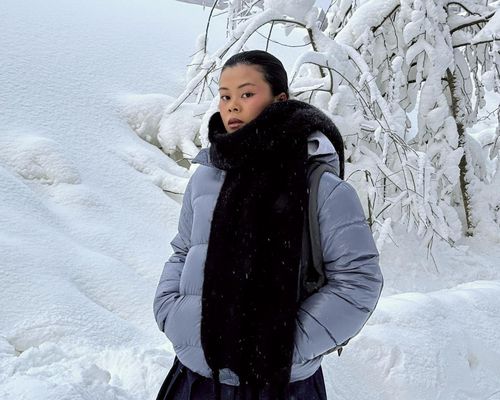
[86,224]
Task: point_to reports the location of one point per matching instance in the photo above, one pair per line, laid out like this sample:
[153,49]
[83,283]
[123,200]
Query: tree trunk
[464,185]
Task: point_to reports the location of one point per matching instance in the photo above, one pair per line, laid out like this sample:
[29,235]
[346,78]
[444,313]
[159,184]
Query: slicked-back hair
[273,70]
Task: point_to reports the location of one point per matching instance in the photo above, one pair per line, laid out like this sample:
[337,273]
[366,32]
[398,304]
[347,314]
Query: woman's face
[244,93]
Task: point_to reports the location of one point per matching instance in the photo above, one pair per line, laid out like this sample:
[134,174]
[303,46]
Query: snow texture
[296,9]
[491,30]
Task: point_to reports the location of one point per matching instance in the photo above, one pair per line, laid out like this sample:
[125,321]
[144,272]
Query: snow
[89,204]
[37,158]
[450,355]
[490,31]
[296,9]
[369,14]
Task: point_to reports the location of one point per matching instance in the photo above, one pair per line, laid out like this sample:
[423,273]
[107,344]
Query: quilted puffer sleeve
[340,309]
[168,287]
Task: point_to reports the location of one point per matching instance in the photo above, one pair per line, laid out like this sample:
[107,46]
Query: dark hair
[273,70]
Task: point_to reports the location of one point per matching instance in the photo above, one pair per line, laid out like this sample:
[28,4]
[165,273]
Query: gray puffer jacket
[326,319]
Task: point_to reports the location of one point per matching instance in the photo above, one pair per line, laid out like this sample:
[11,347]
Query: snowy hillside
[88,209]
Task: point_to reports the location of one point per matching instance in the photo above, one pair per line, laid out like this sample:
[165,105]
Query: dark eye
[222,97]
[247,94]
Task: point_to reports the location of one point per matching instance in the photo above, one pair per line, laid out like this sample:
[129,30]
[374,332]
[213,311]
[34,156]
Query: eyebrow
[244,84]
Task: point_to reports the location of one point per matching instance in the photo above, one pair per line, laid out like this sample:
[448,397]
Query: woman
[227,298]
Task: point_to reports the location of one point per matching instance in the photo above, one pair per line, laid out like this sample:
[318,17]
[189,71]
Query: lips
[234,123]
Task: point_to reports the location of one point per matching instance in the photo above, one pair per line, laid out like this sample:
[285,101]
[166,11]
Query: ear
[282,97]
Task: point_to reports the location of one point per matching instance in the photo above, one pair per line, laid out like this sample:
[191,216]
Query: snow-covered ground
[86,219]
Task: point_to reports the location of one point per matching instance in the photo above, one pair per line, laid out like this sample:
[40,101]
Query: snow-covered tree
[404,80]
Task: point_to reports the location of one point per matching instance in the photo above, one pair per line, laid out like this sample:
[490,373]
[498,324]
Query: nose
[234,107]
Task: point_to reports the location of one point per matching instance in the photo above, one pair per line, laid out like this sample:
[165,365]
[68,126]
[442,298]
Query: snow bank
[87,206]
[37,158]
[69,372]
[438,345]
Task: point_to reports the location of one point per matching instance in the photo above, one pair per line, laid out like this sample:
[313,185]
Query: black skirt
[183,384]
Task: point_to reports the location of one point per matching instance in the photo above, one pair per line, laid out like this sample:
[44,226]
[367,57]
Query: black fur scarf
[250,285]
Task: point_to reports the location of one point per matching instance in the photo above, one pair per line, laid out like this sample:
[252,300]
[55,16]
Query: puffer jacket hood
[329,317]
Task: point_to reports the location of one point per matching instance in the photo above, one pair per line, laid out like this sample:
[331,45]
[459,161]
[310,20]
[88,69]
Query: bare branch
[269,36]
[208,25]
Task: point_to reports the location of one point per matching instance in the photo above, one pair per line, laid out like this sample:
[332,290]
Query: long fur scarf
[249,300]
